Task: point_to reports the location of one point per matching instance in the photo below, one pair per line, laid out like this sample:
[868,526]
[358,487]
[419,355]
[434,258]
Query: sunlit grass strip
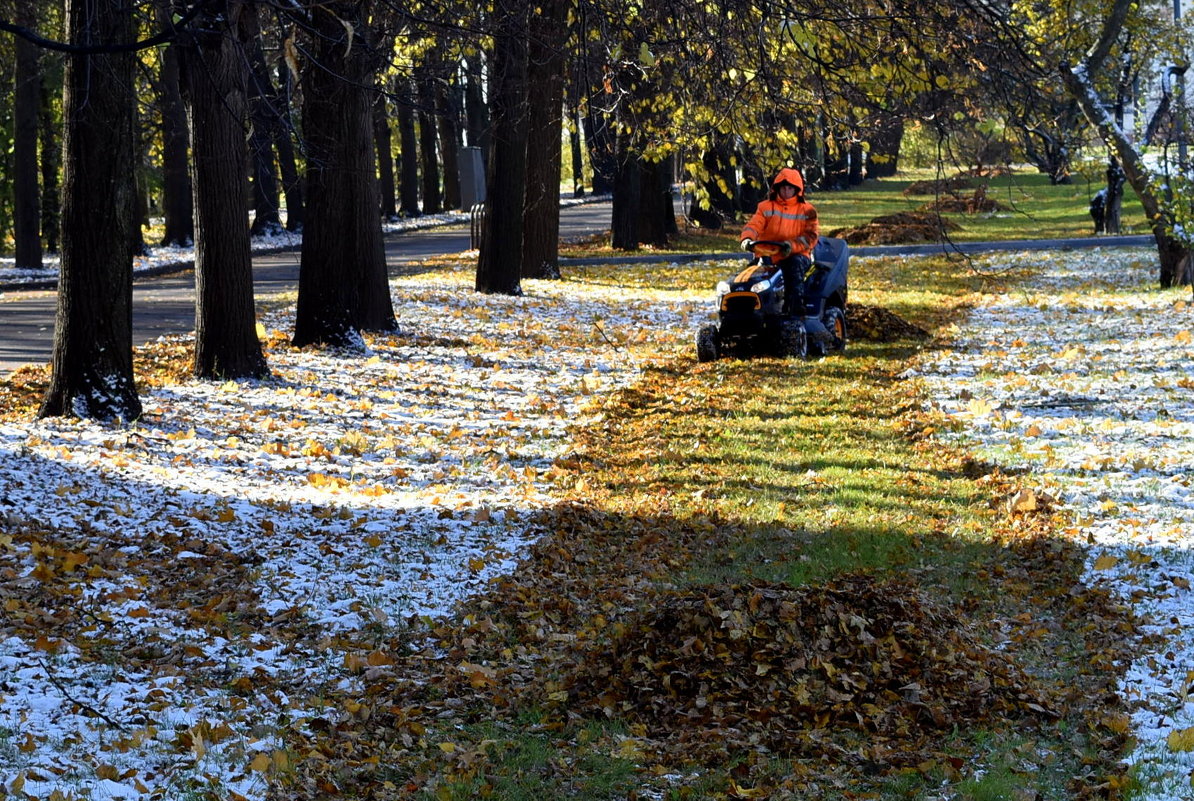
[817,469]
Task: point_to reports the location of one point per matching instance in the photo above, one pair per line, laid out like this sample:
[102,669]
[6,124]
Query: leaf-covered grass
[798,482]
[775,473]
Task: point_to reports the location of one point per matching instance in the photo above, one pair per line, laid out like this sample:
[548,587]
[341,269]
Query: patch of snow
[362,491]
[1083,376]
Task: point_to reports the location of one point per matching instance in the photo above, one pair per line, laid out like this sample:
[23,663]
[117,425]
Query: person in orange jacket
[785,216]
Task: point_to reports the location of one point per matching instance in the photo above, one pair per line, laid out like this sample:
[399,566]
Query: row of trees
[254,101]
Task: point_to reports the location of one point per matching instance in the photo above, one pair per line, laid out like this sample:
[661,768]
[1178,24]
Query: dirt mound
[772,666]
[876,324]
[939,186]
[905,227]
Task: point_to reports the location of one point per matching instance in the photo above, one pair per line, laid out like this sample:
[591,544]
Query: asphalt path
[165,304]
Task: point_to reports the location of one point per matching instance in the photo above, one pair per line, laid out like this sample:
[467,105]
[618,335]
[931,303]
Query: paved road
[165,304]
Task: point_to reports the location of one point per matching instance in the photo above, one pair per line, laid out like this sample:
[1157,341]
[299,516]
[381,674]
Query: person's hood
[788,175]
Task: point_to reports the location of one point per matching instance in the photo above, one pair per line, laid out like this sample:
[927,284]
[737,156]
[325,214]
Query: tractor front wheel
[793,342]
[707,344]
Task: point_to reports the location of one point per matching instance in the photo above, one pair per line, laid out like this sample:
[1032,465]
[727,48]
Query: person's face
[787,191]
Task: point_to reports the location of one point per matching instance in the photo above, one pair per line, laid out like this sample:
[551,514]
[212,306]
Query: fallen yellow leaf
[1181,739]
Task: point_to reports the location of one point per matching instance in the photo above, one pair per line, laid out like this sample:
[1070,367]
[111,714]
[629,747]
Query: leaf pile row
[899,228]
[939,186]
[765,665]
[877,324]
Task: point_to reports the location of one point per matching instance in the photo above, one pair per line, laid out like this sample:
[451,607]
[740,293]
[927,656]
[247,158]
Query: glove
[785,250]
[747,244]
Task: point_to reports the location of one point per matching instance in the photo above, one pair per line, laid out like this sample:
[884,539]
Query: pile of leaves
[900,228]
[939,186]
[975,202]
[770,665]
[876,324]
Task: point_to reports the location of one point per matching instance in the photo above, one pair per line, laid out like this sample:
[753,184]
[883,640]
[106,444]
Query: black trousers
[794,268]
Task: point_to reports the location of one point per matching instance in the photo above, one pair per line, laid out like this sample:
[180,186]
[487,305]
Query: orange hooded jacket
[779,220]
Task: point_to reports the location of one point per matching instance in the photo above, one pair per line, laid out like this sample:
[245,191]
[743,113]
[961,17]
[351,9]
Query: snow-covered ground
[1082,375]
[352,493]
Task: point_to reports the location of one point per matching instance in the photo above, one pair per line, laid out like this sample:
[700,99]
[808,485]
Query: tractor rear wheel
[835,321]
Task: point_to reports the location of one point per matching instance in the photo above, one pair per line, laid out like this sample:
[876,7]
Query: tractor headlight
[723,287]
[761,286]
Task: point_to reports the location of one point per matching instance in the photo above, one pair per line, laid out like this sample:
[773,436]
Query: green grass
[1033,209]
[513,765]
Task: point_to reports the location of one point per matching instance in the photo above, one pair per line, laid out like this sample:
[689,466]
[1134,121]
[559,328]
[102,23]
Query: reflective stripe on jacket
[792,221]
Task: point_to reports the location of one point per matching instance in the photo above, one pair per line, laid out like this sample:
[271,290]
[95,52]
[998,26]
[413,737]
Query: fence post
[476,223]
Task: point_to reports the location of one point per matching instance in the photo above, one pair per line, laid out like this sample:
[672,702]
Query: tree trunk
[857,162]
[578,164]
[545,103]
[26,107]
[1173,253]
[343,283]
[624,225]
[1052,158]
[408,153]
[448,119]
[883,161]
[263,113]
[384,143]
[602,151]
[140,202]
[1113,205]
[51,158]
[499,264]
[719,183]
[652,217]
[432,202]
[657,218]
[177,201]
[476,112]
[226,344]
[292,182]
[93,354]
